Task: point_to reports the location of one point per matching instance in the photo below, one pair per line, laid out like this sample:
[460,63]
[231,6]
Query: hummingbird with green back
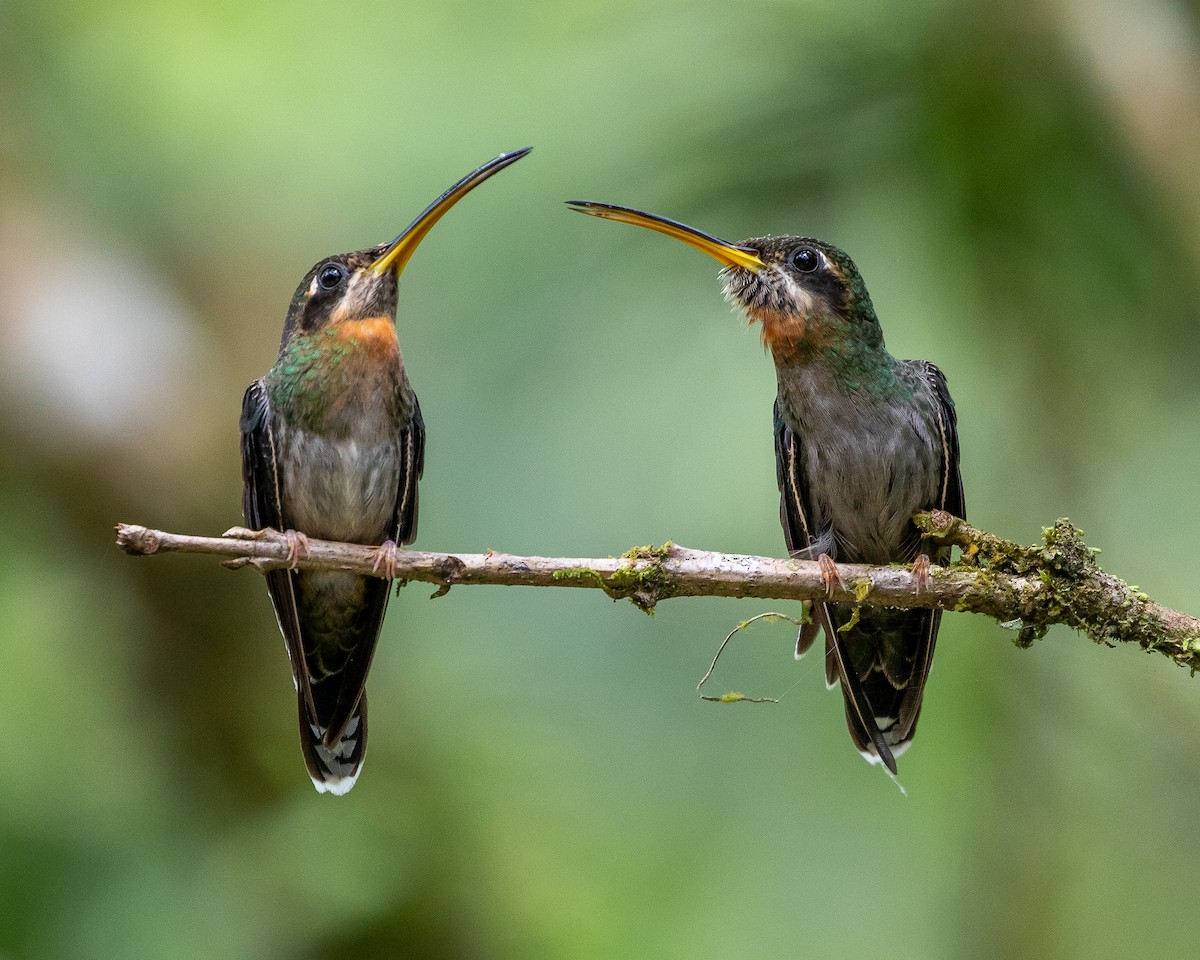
[333,445]
[862,442]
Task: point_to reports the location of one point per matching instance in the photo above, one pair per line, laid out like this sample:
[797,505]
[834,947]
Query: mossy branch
[1026,588]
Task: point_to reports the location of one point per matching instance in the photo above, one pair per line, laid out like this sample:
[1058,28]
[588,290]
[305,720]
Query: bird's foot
[297,542]
[385,560]
[921,573]
[830,574]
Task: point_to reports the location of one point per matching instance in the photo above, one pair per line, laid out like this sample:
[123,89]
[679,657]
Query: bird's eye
[331,275]
[806,259]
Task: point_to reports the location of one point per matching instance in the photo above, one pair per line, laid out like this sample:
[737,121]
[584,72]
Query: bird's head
[805,293]
[361,286]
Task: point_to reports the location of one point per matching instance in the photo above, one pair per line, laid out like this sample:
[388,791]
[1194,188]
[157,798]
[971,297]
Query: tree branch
[1028,589]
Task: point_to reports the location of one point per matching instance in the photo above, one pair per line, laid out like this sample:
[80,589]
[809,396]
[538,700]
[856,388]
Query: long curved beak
[399,250]
[730,254]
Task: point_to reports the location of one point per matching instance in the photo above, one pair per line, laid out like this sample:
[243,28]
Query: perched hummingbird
[862,442]
[332,447]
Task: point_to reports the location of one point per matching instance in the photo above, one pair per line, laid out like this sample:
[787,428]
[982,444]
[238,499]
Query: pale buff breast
[340,488]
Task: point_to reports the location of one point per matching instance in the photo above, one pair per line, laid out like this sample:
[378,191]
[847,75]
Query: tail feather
[807,635]
[335,766]
[860,716]
[340,617]
[881,664]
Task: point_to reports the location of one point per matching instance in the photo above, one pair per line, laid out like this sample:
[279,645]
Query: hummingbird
[333,445]
[862,442]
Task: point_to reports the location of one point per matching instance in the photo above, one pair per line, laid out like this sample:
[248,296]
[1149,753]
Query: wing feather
[951,499]
[262,508]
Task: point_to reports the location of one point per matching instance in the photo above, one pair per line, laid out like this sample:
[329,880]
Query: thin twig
[735,697]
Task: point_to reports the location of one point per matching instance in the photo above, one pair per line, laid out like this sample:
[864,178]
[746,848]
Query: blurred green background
[1017,182]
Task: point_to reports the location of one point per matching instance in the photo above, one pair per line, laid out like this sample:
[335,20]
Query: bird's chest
[340,407]
[868,467]
[339,488]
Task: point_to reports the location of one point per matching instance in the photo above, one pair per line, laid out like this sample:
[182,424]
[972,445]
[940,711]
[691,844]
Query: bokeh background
[1017,181]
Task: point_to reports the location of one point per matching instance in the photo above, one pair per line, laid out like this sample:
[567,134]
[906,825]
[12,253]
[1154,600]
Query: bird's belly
[868,486]
[340,489]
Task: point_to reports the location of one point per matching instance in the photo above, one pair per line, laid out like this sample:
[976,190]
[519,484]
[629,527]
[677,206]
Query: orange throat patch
[793,338]
[786,335]
[375,336]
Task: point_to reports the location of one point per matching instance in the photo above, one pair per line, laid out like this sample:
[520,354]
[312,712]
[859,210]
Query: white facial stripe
[805,302]
[357,295]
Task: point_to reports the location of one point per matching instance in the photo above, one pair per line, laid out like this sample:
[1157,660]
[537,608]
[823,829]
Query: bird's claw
[921,573]
[830,574]
[297,545]
[385,560]
[297,542]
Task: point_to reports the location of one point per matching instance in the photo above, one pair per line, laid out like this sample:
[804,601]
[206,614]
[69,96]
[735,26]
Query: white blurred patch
[94,344]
